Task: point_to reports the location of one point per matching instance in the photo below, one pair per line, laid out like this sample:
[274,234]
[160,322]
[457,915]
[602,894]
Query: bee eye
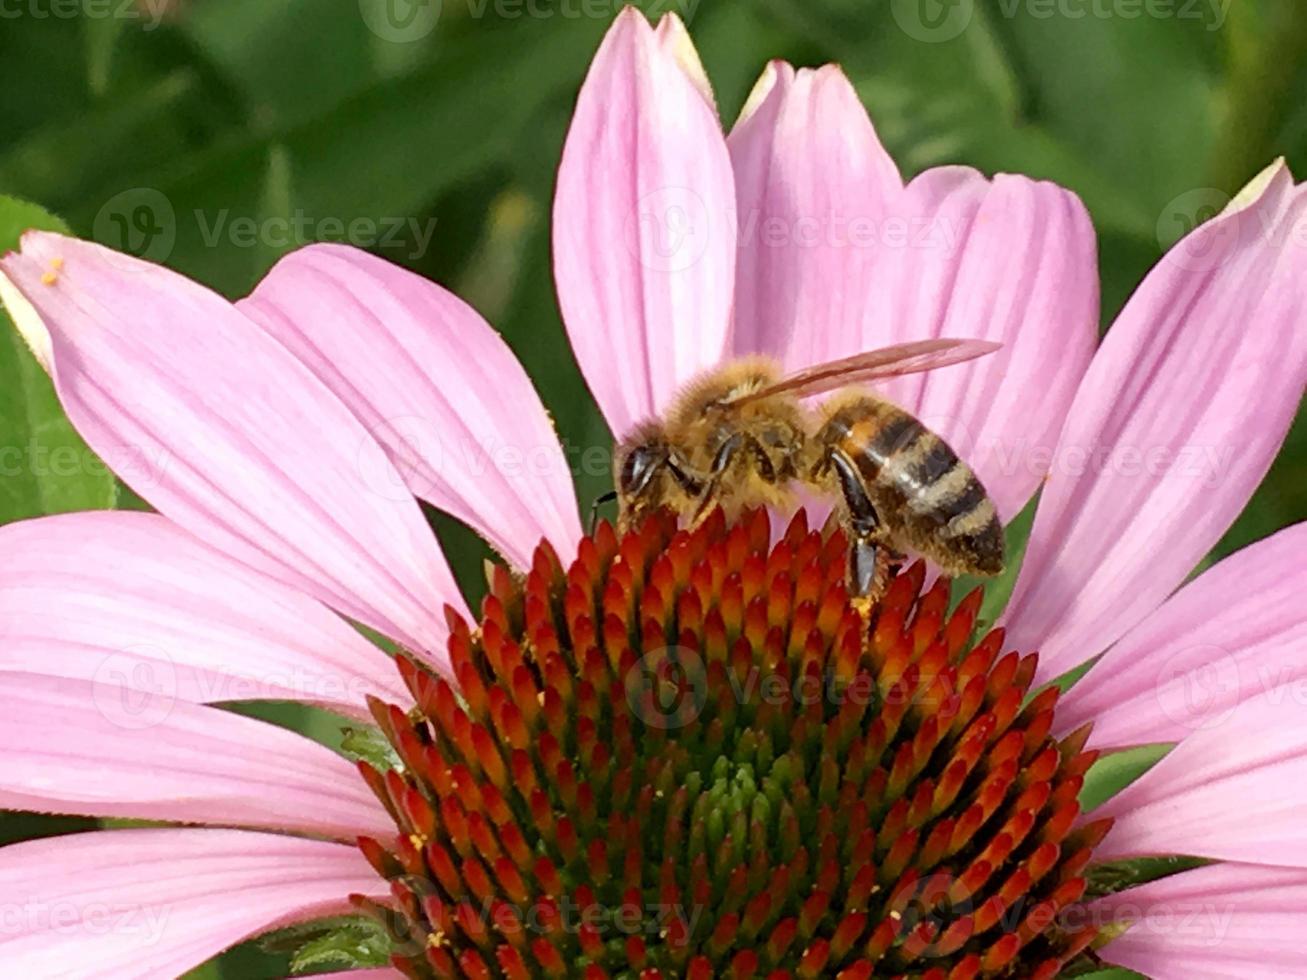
[638,469]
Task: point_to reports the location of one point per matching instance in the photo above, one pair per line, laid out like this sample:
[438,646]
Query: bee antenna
[599,501]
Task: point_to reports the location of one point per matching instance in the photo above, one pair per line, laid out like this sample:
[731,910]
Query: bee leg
[868,553]
[708,492]
[865,560]
[722,462]
[693,485]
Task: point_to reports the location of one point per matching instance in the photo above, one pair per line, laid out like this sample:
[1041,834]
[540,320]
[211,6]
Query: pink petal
[132,596]
[1221,922]
[811,178]
[1235,791]
[435,385]
[103,750]
[644,234]
[675,40]
[218,426]
[1238,630]
[155,903]
[837,257]
[1176,422]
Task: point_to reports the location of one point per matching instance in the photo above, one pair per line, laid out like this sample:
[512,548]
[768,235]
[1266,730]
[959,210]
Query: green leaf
[367,744]
[45,467]
[1117,876]
[345,949]
[246,961]
[343,943]
[1113,773]
[309,720]
[209,971]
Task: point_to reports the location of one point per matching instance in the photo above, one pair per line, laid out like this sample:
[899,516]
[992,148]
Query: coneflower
[689,754]
[671,752]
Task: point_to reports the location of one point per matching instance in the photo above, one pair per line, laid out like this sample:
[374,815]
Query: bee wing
[887,362]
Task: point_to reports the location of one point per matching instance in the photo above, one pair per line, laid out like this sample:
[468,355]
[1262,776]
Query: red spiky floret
[689,755]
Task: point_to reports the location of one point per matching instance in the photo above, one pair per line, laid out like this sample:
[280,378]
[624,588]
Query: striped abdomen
[929,501]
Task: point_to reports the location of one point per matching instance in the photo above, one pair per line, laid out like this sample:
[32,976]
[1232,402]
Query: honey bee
[741,436]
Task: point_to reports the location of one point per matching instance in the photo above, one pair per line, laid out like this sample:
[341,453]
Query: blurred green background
[429,132]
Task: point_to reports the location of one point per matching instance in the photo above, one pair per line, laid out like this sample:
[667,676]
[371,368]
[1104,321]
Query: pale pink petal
[103,750]
[836,257]
[435,385]
[1235,791]
[644,229]
[1238,630]
[1221,922]
[813,188]
[133,597]
[1176,422]
[226,433]
[157,903]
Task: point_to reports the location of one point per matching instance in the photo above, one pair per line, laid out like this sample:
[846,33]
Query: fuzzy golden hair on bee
[714,390]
